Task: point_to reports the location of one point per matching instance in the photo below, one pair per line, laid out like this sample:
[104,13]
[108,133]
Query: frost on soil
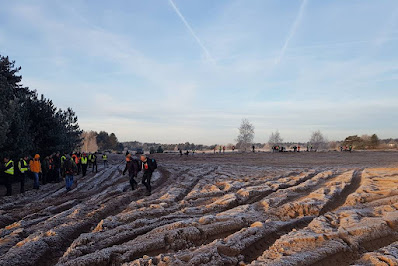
[211,210]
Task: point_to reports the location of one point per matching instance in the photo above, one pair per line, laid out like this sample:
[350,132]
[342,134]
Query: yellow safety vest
[104,157]
[63,158]
[84,160]
[25,166]
[10,170]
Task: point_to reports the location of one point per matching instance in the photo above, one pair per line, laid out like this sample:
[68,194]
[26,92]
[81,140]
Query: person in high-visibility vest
[8,174]
[23,170]
[84,162]
[105,160]
[89,159]
[94,162]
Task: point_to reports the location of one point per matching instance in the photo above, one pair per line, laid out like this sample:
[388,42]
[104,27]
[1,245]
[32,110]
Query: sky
[172,71]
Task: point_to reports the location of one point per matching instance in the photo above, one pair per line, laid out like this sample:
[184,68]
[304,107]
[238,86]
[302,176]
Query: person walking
[84,162]
[219,148]
[253,148]
[23,171]
[223,149]
[133,167]
[69,169]
[105,160]
[8,174]
[94,162]
[148,166]
[35,168]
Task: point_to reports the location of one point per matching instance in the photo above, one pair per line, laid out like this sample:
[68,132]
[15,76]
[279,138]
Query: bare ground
[235,209]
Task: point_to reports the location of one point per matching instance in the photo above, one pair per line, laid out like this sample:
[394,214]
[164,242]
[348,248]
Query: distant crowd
[50,169]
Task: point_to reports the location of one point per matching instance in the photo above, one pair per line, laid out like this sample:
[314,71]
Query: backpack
[154,163]
[69,167]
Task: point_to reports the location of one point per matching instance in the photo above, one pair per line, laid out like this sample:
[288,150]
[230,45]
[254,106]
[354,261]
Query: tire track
[339,201]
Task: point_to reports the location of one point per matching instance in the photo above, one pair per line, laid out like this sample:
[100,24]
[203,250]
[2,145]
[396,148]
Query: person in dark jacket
[69,169]
[57,167]
[148,166]
[133,167]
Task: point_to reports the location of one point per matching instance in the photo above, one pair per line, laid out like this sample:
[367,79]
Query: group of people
[50,169]
[223,148]
[134,166]
[346,148]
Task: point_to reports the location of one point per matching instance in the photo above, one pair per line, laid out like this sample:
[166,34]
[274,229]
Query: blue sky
[175,71]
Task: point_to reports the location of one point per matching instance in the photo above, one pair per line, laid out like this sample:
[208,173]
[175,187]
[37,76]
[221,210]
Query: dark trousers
[7,179]
[146,180]
[44,177]
[23,179]
[95,165]
[50,176]
[84,169]
[105,163]
[79,168]
[133,183]
[57,172]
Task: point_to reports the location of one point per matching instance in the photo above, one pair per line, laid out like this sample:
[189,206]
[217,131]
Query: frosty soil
[260,209]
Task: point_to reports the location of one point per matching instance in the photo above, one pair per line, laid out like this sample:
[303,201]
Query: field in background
[327,208]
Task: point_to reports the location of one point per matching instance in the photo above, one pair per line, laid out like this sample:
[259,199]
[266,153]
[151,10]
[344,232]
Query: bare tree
[246,135]
[318,141]
[89,141]
[275,139]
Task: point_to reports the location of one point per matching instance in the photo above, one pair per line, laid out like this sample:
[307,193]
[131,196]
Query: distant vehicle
[139,151]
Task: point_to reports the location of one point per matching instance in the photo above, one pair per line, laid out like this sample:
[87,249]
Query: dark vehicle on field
[139,151]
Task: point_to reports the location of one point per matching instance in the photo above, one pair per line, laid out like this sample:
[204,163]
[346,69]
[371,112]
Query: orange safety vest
[75,158]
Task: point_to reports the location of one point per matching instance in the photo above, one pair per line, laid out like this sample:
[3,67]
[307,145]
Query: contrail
[208,55]
[292,31]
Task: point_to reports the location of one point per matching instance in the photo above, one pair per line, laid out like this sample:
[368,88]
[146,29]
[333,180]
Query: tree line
[316,141]
[30,123]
